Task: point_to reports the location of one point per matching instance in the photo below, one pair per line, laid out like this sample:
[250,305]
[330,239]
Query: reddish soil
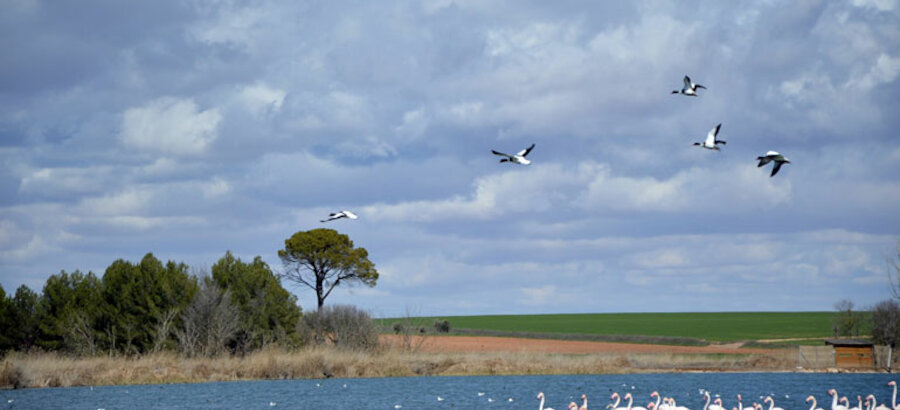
[510,344]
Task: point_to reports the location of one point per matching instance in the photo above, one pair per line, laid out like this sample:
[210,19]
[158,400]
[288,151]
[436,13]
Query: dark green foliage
[846,322]
[141,307]
[69,308]
[25,318]
[442,326]
[268,312]
[6,322]
[322,259]
[138,299]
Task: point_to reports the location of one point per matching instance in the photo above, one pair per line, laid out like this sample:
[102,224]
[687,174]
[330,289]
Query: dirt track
[509,344]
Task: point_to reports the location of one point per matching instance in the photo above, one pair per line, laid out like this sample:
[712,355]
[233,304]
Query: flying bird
[711,140]
[690,88]
[773,156]
[519,158]
[338,215]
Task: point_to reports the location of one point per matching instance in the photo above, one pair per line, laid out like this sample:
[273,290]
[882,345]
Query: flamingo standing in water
[875,404]
[617,398]
[675,406]
[656,404]
[834,400]
[630,401]
[894,398]
[771,402]
[541,396]
[846,403]
[583,406]
[717,406]
[813,399]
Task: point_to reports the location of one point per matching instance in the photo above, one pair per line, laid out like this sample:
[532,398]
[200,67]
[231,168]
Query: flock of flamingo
[668,403]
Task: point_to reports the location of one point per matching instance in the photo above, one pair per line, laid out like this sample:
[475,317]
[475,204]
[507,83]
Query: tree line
[150,306]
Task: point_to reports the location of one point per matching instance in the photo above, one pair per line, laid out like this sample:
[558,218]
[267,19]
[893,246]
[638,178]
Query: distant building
[853,353]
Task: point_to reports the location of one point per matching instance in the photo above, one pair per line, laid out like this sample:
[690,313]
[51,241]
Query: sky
[190,128]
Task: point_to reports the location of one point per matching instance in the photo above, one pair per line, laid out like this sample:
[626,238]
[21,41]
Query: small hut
[853,353]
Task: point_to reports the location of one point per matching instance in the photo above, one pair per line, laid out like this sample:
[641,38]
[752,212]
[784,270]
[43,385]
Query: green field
[712,327]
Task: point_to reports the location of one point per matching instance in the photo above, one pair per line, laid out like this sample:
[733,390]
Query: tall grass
[54,370]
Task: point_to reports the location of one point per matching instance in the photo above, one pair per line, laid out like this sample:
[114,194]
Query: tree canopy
[268,312]
[322,259]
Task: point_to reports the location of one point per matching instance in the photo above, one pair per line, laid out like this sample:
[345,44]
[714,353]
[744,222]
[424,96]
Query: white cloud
[538,296]
[413,124]
[233,26]
[884,71]
[261,99]
[880,5]
[170,126]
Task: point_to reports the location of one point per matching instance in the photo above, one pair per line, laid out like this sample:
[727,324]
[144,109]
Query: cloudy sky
[188,128]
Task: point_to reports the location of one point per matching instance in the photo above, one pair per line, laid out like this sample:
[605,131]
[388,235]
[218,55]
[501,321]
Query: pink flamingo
[615,396]
[584,405]
[717,406]
[834,401]
[541,396]
[656,404]
[813,399]
[771,402]
[675,406]
[894,398]
[630,400]
[875,404]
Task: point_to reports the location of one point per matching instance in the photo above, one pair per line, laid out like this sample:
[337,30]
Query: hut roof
[849,342]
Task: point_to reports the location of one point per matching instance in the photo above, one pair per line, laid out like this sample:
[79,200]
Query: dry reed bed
[19,370]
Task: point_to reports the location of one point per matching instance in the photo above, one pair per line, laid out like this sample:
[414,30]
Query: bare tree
[846,322]
[886,325]
[209,322]
[894,273]
[412,331]
[80,334]
[344,326]
[163,328]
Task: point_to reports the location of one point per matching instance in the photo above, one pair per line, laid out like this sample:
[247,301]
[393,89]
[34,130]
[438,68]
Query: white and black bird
[773,156]
[519,158]
[338,215]
[690,88]
[711,141]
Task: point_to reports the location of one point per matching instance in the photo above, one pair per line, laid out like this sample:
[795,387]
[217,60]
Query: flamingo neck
[894,398]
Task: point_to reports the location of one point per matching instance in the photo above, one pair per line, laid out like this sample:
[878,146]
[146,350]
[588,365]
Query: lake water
[488,392]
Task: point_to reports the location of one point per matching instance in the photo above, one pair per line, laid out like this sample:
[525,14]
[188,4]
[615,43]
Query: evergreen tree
[268,312]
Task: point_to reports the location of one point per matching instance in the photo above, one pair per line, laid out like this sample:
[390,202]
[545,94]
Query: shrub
[442,326]
[344,326]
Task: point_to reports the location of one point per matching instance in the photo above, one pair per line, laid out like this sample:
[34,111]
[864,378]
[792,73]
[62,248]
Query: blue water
[489,392]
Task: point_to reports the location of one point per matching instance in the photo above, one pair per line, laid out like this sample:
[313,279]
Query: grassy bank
[54,370]
[712,327]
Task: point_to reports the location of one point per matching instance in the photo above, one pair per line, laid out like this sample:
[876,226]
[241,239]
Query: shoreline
[37,370]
